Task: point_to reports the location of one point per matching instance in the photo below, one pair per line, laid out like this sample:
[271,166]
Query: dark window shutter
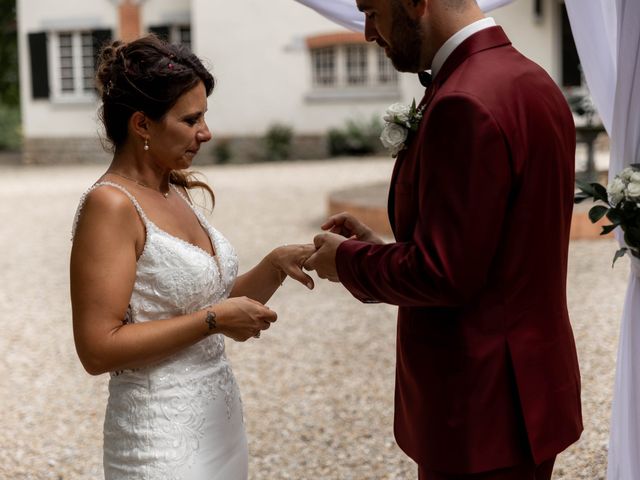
[100,38]
[571,74]
[162,31]
[39,65]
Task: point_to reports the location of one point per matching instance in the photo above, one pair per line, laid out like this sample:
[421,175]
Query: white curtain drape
[345,13]
[607,34]
[595,31]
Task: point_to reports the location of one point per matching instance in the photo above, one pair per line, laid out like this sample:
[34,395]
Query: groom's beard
[405,50]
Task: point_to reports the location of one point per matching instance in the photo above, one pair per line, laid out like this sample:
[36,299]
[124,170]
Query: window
[63,63]
[352,66]
[345,67]
[356,64]
[324,66]
[72,61]
[173,33]
[571,70]
[387,74]
[183,35]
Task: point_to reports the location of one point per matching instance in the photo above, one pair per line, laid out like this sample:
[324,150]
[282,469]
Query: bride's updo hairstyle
[146,75]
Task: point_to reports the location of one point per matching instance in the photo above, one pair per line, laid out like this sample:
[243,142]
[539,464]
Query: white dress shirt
[455,40]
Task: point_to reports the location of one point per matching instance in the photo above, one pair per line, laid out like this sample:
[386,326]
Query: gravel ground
[317,387]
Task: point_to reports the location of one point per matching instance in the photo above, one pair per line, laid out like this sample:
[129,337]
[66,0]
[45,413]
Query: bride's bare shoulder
[104,208]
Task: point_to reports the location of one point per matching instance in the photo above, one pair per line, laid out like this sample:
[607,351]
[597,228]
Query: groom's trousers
[528,471]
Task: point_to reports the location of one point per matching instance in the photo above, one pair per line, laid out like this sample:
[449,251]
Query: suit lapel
[483,40]
[424,104]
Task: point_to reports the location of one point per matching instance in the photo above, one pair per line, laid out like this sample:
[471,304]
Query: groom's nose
[370,31]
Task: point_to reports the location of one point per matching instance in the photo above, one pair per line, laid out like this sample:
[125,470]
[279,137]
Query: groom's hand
[349,226]
[324,260]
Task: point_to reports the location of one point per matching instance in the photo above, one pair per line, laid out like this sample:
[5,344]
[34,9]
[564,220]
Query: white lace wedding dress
[181,418]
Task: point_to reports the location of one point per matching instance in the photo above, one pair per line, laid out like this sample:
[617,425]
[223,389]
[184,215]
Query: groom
[487,384]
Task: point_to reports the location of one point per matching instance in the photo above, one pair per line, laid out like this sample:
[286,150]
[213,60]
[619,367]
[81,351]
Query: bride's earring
[146,145]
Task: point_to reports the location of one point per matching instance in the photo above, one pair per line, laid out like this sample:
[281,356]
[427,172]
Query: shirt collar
[455,40]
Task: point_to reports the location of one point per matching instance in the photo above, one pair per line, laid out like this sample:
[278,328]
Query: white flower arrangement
[621,199]
[400,121]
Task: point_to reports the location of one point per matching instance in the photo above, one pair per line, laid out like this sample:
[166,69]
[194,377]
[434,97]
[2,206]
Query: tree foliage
[9,91]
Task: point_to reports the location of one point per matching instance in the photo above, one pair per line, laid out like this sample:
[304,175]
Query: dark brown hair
[147,75]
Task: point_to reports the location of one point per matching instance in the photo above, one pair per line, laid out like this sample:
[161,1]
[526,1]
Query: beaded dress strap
[83,199]
[188,202]
[209,230]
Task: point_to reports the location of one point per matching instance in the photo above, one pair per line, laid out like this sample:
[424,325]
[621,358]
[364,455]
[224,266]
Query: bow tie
[425,78]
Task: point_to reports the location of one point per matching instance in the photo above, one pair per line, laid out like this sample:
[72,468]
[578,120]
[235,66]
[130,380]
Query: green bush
[10,131]
[222,151]
[357,137]
[277,142]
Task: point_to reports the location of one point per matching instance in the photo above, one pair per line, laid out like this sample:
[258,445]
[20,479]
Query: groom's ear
[416,8]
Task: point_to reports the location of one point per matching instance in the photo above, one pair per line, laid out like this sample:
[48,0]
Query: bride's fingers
[297,274]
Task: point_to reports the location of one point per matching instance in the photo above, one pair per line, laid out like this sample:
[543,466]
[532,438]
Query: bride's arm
[261,282]
[103,269]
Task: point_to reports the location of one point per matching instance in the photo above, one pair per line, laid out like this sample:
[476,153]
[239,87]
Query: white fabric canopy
[345,13]
[607,35]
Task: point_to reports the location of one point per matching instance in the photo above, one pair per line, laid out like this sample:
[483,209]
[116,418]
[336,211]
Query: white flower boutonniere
[400,121]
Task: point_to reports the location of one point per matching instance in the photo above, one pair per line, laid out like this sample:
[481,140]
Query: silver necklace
[142,184]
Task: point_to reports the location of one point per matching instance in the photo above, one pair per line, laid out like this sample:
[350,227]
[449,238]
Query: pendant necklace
[142,184]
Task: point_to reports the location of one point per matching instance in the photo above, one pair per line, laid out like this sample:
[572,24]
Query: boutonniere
[400,121]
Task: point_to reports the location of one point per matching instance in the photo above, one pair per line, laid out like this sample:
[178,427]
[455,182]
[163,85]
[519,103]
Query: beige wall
[258,54]
[538,39]
[257,51]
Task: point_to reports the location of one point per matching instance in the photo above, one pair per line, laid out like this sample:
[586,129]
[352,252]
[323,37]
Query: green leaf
[608,229]
[597,212]
[632,236]
[412,110]
[619,254]
[629,207]
[600,193]
[631,240]
[580,197]
[585,187]
[615,216]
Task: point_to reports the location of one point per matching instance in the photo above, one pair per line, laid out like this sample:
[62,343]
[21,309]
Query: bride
[154,287]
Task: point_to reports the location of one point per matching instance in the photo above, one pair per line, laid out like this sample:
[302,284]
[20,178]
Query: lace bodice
[173,277]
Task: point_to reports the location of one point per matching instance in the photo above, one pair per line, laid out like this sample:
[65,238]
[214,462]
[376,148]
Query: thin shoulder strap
[84,196]
[188,201]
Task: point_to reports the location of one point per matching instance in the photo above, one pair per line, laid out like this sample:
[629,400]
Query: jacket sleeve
[462,189]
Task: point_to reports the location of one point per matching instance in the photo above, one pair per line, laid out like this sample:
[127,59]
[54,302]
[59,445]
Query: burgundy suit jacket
[480,205]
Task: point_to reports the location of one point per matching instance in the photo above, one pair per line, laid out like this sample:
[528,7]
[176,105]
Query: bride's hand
[241,318]
[289,259]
